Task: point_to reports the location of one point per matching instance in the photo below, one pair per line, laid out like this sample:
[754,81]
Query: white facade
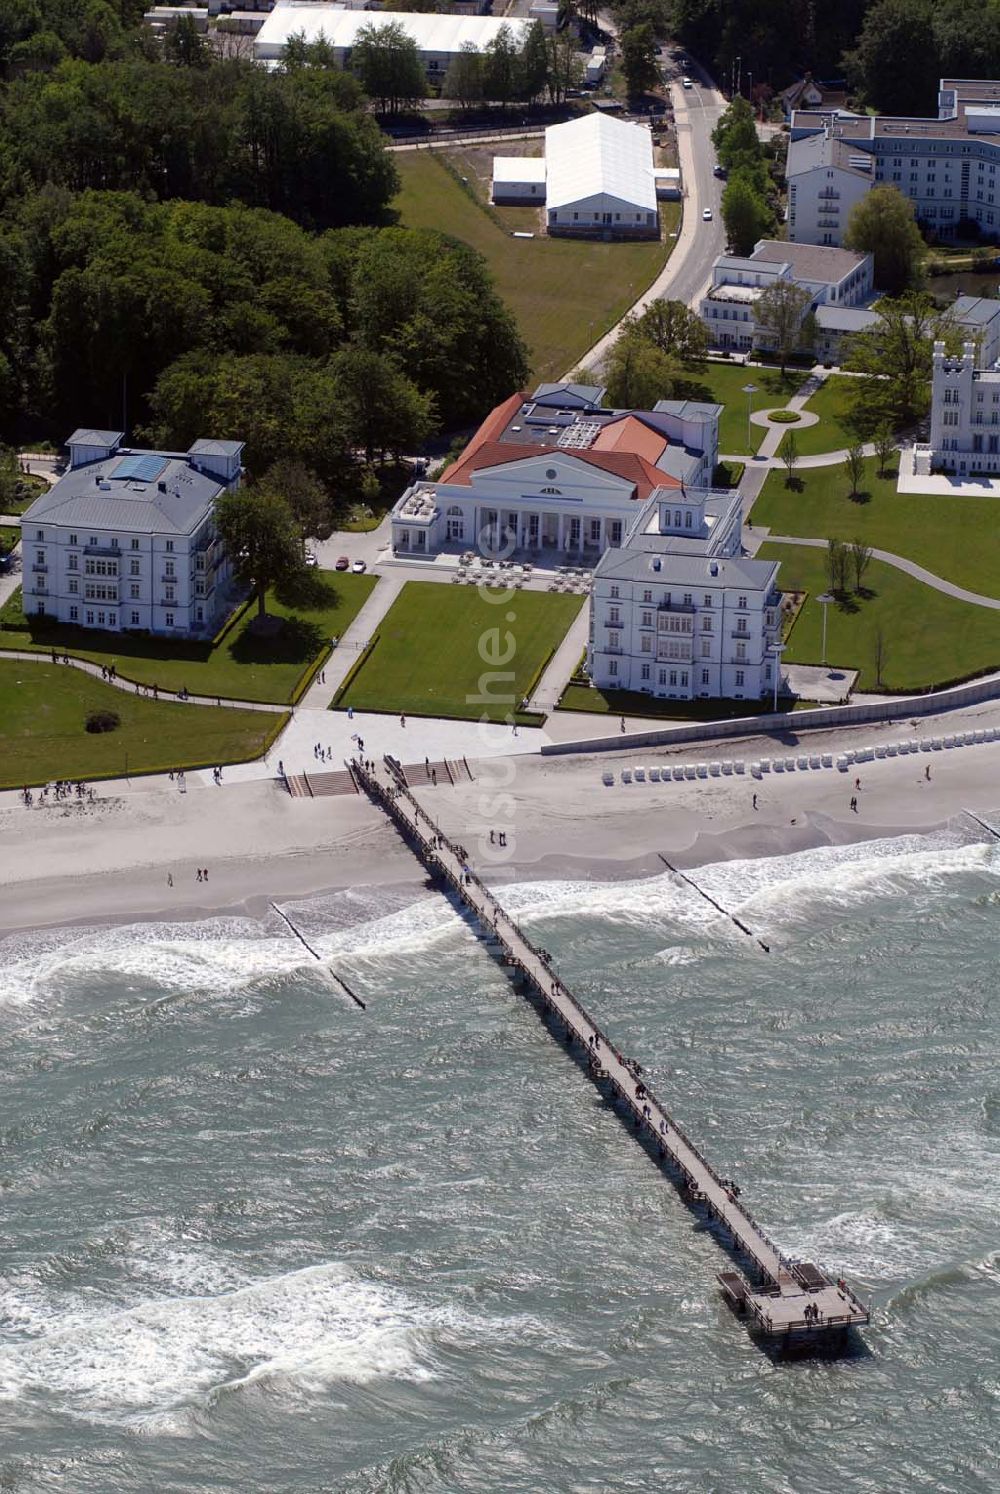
[948,167]
[438,38]
[965,416]
[519,179]
[557,474]
[125,540]
[678,612]
[832,277]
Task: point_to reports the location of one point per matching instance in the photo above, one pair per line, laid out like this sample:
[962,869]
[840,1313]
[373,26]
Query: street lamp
[777,649]
[749,390]
[826,599]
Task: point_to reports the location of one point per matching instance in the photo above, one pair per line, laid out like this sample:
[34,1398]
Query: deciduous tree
[883,224]
[779,313]
[855,464]
[387,62]
[675,329]
[262,539]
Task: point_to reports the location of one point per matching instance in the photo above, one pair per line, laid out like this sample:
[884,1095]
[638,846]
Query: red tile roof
[635,469]
[630,434]
[491,429]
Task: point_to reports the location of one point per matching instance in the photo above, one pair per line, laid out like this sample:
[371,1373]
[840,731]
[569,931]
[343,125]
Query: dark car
[720,172]
[343,564]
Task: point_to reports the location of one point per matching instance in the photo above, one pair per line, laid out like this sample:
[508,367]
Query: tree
[885,445]
[502,68]
[564,64]
[895,65]
[735,135]
[262,539]
[790,457]
[384,411]
[184,45]
[745,213]
[638,49]
[879,653]
[675,330]
[855,464]
[882,224]
[388,64]
[861,555]
[535,74]
[836,565]
[896,357]
[463,81]
[779,314]
[636,373]
[305,495]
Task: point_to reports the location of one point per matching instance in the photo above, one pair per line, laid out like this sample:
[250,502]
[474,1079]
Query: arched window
[454,512]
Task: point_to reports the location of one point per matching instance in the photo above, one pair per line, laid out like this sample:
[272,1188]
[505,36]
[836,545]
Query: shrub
[98,721]
[783,417]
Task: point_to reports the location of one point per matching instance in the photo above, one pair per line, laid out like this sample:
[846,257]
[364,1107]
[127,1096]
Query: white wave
[305,1328]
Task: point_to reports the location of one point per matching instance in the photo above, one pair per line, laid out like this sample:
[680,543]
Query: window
[706,648]
[133,568]
[169,568]
[39,534]
[615,615]
[135,544]
[645,671]
[687,599]
[170,594]
[704,676]
[614,593]
[673,676]
[133,592]
[90,619]
[73,588]
[647,619]
[663,676]
[612,667]
[647,595]
[73,563]
[706,625]
[741,652]
[739,676]
[646,646]
[170,545]
[39,557]
[708,600]
[74,614]
[741,602]
[92,540]
[72,539]
[169,619]
[687,519]
[614,640]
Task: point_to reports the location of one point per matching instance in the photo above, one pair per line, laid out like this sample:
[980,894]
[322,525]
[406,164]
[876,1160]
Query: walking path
[562,664]
[363,627]
[899,561]
[134,687]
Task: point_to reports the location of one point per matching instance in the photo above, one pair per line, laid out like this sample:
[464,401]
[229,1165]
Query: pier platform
[779,1298]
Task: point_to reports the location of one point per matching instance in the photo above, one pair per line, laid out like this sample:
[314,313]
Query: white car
[707,215]
[686,83]
[359,567]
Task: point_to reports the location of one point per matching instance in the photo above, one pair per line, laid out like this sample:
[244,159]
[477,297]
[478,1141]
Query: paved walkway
[362,628]
[901,564]
[562,664]
[132,687]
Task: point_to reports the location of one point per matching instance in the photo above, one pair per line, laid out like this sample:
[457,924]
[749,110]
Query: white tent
[599,174]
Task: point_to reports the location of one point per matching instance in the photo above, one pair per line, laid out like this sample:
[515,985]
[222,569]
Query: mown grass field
[956,538]
[565,293]
[929,638]
[726,382]
[831,403]
[43,708]
[241,666]
[436,643]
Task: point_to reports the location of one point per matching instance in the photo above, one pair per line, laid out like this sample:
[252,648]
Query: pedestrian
[492,837]
[927,772]
[170,879]
[434,777]
[402,720]
[204,874]
[755,801]
[857,783]
[350,713]
[199,874]
[623,723]
[281,768]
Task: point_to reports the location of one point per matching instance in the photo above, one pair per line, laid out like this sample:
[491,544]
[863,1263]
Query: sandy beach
[133,855]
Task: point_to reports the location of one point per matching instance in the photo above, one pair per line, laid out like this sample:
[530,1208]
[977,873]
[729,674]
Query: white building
[678,612]
[832,277]
[438,37]
[597,177]
[965,417]
[947,166]
[126,538]
[558,475]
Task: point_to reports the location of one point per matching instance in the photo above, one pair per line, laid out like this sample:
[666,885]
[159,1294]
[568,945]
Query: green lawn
[428,660]
[43,708]
[24,489]
[956,538]
[9,537]
[635,703]
[725,382]
[830,402]
[565,293]
[930,638]
[240,667]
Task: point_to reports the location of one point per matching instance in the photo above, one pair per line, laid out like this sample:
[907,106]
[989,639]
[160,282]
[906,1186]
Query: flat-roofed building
[832,277]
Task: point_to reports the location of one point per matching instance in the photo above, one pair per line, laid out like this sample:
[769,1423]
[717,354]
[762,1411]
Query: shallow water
[254,1238]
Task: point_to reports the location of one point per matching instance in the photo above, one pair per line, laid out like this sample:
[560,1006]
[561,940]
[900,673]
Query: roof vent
[713,567]
[162,487]
[105,487]
[657,563]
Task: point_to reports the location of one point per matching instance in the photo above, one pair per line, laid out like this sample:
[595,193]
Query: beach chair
[816,761]
[626,775]
[802,763]
[937,743]
[607,779]
[779,765]
[970,737]
[653,774]
[690,771]
[727,768]
[880,750]
[927,745]
[827,759]
[676,773]
[765,765]
[843,762]
[892,749]
[739,766]
[715,769]
[639,774]
[702,770]
[848,756]
[949,741]
[755,770]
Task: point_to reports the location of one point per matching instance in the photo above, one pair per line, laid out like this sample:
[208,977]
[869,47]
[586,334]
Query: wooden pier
[781,1299]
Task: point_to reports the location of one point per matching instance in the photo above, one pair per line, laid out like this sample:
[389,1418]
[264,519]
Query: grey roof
[591,394]
[821,149]
[85,437]
[128,504]
[809,261]
[206,447]
[845,318]
[976,311]
[687,409]
[686,570]
[679,462]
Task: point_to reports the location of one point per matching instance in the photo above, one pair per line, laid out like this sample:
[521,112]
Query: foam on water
[121,1360]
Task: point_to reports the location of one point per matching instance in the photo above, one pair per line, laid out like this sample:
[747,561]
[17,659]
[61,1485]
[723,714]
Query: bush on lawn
[98,721]
[783,417]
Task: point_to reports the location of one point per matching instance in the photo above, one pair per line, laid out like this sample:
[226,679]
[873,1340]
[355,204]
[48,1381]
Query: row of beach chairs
[801,763]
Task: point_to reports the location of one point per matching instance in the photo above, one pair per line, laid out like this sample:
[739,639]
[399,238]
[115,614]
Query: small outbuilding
[519,179]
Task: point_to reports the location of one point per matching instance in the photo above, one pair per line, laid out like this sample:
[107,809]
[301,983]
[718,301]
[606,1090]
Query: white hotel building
[678,611]
[965,417]
[126,538]
[836,278]
[948,166]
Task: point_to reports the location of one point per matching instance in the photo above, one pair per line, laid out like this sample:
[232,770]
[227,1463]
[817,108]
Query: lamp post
[826,599]
[776,649]
[749,390]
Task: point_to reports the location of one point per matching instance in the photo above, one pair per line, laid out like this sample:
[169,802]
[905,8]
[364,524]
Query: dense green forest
[891,52]
[195,246]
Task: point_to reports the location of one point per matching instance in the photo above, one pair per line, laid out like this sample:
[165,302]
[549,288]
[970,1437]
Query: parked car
[343,564]
[720,172]
[686,82]
[311,558]
[359,567]
[707,215]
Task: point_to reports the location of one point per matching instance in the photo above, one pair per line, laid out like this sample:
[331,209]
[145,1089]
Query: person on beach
[857,783]
[170,879]
[199,874]
[755,801]
[927,773]
[623,723]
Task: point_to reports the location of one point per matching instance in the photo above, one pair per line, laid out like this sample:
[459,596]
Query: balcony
[102,550]
[42,568]
[741,633]
[170,580]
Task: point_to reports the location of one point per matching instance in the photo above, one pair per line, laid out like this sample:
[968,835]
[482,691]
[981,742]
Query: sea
[255,1238]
